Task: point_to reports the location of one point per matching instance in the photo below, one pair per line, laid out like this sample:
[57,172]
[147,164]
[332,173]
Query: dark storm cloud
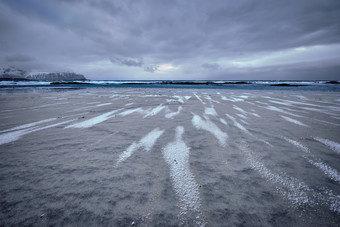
[127,62]
[134,62]
[83,34]
[151,69]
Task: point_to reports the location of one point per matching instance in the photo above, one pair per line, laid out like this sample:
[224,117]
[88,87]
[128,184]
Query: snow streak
[209,126]
[176,155]
[146,143]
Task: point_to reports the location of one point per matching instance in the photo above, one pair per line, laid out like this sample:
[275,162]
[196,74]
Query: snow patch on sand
[224,98]
[301,97]
[223,121]
[325,122]
[289,187]
[93,121]
[119,96]
[329,171]
[104,104]
[242,116]
[293,121]
[273,108]
[256,115]
[262,103]
[241,127]
[198,98]
[176,155]
[146,143]
[155,111]
[131,111]
[90,103]
[316,110]
[238,125]
[209,126]
[73,115]
[173,114]
[281,103]
[297,103]
[13,136]
[148,96]
[298,145]
[28,125]
[237,100]
[210,111]
[210,99]
[331,144]
[232,99]
[240,110]
[180,99]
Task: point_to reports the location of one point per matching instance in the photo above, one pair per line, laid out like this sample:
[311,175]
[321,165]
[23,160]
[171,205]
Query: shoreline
[34,86]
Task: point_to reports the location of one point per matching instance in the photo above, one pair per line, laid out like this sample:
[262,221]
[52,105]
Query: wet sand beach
[170,157]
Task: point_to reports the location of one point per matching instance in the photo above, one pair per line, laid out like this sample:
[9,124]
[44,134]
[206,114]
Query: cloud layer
[154,39]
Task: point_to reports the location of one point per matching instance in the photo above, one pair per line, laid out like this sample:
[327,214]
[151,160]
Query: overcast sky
[165,39]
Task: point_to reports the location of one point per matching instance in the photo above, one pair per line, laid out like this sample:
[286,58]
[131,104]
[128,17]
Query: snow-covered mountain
[59,76]
[12,73]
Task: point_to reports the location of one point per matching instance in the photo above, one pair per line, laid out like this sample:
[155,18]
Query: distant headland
[14,74]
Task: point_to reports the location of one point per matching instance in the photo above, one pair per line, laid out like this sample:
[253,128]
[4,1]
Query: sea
[47,86]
